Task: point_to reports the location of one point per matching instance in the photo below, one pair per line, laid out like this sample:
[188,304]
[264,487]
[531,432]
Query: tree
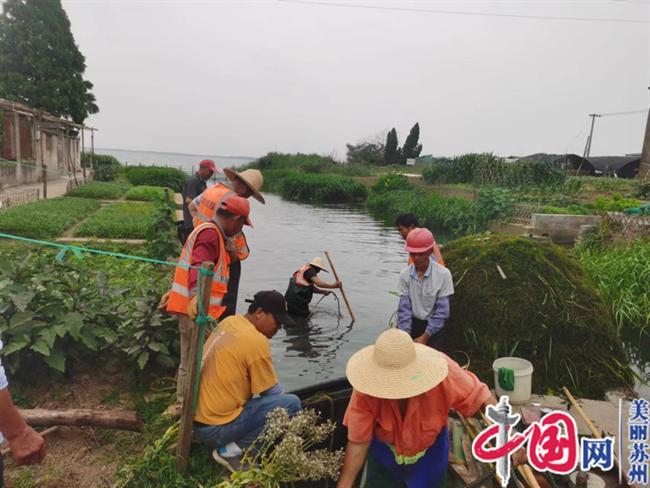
[366,152]
[40,64]
[391,150]
[411,148]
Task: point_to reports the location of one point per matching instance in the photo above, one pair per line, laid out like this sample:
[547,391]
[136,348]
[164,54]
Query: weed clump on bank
[393,195]
[546,310]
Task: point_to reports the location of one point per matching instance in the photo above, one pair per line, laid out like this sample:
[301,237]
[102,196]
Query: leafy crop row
[146,193]
[100,190]
[45,219]
[119,220]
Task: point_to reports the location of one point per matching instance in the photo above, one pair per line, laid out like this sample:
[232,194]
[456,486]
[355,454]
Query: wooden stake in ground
[336,277]
[187,414]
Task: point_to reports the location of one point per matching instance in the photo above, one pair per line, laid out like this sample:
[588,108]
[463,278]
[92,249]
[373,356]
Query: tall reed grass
[622,275]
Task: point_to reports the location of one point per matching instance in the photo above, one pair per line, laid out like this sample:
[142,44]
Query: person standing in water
[303,284]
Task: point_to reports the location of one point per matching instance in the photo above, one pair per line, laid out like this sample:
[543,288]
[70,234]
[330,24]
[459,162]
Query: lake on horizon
[186,162]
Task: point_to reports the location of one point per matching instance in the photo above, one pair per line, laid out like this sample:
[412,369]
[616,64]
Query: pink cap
[208,163]
[419,240]
[237,205]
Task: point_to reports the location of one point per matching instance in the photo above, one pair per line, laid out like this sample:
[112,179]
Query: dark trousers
[230,300]
[436,341]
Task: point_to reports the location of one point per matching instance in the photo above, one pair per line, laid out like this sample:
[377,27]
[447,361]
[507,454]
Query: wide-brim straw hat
[253,179]
[395,367]
[318,263]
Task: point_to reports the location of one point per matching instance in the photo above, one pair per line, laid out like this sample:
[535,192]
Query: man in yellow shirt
[237,365]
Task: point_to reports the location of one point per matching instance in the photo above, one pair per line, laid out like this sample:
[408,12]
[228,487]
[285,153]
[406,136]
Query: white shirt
[424,292]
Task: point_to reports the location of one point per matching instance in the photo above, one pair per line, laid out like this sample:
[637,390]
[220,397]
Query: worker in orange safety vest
[207,242]
[244,184]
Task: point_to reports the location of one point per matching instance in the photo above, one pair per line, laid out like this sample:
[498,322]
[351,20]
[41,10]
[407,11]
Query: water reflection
[368,257]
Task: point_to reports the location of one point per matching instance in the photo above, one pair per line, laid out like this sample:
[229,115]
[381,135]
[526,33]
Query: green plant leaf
[20,318]
[142,359]
[56,360]
[48,334]
[41,347]
[15,345]
[74,322]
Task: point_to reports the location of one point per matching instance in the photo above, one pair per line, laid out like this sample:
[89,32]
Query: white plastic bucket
[523,378]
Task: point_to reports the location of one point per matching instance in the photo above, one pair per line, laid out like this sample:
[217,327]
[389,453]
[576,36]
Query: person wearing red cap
[194,186]
[207,242]
[425,287]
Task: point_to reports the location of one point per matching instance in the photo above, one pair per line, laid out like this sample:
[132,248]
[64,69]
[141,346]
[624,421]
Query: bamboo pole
[524,469]
[591,426]
[187,414]
[336,276]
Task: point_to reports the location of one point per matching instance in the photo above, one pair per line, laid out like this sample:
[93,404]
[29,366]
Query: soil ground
[81,457]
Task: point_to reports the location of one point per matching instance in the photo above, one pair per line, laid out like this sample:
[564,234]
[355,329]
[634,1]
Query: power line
[629,112]
[460,12]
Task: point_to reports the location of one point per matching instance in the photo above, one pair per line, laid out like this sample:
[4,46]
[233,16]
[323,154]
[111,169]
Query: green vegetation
[393,194]
[162,241]
[45,219]
[62,312]
[106,168]
[43,68]
[155,176]
[315,188]
[487,169]
[308,163]
[147,193]
[99,190]
[119,220]
[546,310]
[376,153]
[621,272]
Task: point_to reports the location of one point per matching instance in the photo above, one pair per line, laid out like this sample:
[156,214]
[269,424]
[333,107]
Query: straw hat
[253,179]
[318,262]
[396,367]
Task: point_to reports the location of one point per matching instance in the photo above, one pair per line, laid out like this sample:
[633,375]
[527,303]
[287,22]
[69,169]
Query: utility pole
[591,134]
[644,168]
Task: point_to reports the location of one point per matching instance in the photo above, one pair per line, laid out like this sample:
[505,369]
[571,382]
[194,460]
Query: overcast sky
[244,78]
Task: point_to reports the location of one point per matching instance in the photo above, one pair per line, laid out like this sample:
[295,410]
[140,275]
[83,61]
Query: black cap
[273,302]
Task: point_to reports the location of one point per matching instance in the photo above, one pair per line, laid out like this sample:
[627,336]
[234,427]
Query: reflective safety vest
[179,295]
[436,255]
[299,293]
[209,203]
[299,276]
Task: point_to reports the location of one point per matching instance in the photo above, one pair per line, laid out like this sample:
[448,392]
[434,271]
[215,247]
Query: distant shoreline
[248,158]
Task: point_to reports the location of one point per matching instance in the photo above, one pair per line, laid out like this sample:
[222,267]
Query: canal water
[368,258]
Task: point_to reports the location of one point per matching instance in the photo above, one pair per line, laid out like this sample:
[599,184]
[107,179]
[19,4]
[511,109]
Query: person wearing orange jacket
[207,242]
[246,183]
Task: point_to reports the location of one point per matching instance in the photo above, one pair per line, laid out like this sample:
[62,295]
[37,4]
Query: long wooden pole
[336,276]
[591,426]
[187,414]
[524,469]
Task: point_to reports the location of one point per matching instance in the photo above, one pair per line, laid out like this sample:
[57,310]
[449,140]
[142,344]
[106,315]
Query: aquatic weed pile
[546,310]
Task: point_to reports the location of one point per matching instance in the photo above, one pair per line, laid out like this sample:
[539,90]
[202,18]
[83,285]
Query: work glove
[164,300]
[193,307]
